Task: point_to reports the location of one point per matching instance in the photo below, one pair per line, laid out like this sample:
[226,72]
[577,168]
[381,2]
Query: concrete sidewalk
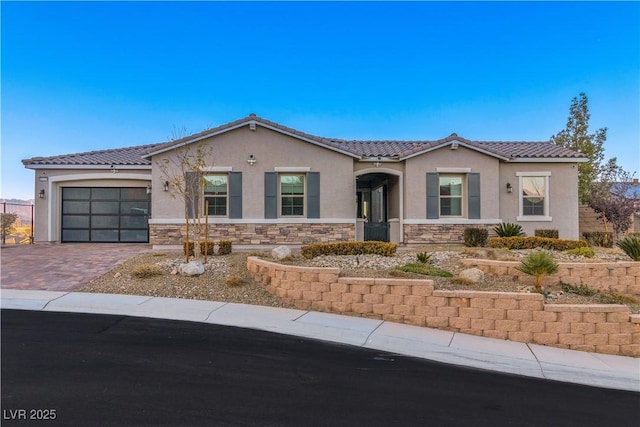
[600,370]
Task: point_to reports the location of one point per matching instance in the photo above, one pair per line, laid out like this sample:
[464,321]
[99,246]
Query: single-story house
[270,184]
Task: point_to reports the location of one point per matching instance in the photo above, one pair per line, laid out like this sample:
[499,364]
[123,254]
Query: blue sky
[82,76]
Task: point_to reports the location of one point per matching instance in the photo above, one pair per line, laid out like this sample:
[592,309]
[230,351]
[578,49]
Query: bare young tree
[8,221]
[184,172]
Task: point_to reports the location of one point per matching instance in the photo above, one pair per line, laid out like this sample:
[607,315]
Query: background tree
[615,198]
[576,137]
[7,221]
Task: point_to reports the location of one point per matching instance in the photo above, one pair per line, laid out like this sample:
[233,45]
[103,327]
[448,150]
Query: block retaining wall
[620,277]
[609,329]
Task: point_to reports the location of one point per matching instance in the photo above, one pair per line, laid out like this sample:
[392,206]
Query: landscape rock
[474,275]
[193,268]
[281,252]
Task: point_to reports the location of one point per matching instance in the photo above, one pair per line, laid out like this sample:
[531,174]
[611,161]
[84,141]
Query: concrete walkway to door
[61,267]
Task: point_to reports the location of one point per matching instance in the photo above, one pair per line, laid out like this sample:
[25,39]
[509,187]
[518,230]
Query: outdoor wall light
[149,189]
[454,145]
[509,188]
[41,194]
[165,186]
[251,160]
[378,163]
[114,169]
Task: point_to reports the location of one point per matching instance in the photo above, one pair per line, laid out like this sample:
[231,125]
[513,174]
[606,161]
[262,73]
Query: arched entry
[379,205]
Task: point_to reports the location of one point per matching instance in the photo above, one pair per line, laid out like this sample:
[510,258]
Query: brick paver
[61,267]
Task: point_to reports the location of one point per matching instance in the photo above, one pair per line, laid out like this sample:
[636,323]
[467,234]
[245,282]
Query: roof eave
[548,160]
[460,144]
[105,167]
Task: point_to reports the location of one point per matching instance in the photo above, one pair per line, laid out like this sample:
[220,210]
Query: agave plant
[631,246]
[538,264]
[508,229]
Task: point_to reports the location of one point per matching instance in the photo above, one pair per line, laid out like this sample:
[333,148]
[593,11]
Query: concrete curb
[599,370]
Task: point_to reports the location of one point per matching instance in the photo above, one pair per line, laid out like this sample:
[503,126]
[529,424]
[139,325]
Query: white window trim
[204,195]
[463,189]
[217,169]
[292,169]
[304,195]
[453,170]
[534,218]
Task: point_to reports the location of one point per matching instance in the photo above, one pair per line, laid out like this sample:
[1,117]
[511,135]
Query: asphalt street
[104,370]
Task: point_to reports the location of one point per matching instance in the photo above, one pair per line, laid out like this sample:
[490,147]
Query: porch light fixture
[114,169]
[149,189]
[377,163]
[251,160]
[41,194]
[165,186]
[509,188]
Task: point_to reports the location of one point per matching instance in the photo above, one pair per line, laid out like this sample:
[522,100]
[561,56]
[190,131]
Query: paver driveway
[61,267]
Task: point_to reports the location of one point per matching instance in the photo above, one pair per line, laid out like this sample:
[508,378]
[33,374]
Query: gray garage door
[101,214]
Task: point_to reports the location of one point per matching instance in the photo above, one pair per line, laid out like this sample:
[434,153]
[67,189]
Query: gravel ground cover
[215,285]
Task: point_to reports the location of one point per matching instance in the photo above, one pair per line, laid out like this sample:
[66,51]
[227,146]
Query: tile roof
[127,156]
[356,148]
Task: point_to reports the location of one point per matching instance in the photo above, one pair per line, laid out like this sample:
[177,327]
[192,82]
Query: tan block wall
[620,277]
[258,234]
[511,316]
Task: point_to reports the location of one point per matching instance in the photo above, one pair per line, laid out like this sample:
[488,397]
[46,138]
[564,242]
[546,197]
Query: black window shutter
[270,195]
[433,195]
[313,194]
[235,194]
[192,198]
[473,185]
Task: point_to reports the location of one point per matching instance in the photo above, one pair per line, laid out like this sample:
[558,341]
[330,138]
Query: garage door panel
[105,214]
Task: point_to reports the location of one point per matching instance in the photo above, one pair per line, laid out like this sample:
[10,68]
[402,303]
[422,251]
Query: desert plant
[349,248]
[631,246]
[225,247]
[475,236]
[234,281]
[538,264]
[424,269]
[424,257]
[147,270]
[8,221]
[578,290]
[602,239]
[551,233]
[586,252]
[532,242]
[508,229]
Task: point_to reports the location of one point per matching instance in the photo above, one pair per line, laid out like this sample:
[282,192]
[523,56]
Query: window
[292,192]
[450,195]
[215,194]
[534,196]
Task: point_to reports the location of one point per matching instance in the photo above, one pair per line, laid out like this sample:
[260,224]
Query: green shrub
[147,270]
[533,242]
[538,265]
[586,252]
[349,248]
[508,229]
[475,236]
[225,247]
[602,239]
[424,269]
[614,298]
[208,248]
[424,257]
[631,246]
[578,290]
[551,233]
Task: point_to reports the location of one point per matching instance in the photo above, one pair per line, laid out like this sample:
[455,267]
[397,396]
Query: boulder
[281,252]
[193,268]
[474,275]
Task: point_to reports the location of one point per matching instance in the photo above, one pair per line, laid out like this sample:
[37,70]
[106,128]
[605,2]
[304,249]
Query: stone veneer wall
[519,317]
[620,277]
[257,234]
[440,233]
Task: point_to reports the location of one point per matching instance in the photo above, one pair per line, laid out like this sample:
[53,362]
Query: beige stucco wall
[563,197]
[48,210]
[271,149]
[416,182]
